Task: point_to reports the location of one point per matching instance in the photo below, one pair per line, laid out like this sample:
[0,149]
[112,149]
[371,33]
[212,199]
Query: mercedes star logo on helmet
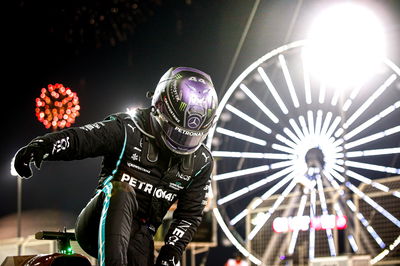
[194,122]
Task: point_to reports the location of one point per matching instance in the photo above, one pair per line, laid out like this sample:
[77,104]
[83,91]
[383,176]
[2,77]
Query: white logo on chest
[205,156]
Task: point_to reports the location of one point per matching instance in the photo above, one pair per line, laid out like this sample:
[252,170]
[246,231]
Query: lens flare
[346,45]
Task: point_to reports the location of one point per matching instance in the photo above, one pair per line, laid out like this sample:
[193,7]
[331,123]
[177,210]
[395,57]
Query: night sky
[111,69]
[108,79]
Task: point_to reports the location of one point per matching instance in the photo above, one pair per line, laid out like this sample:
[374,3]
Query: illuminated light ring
[291,141]
[57,106]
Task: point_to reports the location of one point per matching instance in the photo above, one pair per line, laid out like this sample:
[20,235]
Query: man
[152,159]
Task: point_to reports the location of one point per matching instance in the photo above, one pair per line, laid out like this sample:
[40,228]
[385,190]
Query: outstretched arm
[91,140]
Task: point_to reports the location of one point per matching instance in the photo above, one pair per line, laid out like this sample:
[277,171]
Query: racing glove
[168,256]
[37,150]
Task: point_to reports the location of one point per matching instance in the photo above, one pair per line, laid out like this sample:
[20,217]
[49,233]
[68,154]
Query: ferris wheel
[283,134]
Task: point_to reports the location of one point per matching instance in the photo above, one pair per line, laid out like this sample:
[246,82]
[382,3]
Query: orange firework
[57,107]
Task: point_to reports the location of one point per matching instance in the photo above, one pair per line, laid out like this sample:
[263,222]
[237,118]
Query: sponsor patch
[90,127]
[171,112]
[178,232]
[131,165]
[135,157]
[133,129]
[189,133]
[60,145]
[183,176]
[148,188]
[176,186]
[205,157]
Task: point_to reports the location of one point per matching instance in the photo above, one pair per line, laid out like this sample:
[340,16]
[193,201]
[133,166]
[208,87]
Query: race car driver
[151,159]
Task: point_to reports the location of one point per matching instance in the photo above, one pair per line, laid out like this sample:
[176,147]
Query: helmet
[184,105]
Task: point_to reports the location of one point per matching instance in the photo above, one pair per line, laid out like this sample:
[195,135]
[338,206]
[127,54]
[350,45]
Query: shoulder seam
[139,127]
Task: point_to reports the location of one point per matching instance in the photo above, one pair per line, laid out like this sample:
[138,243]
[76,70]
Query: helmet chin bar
[168,143]
[175,149]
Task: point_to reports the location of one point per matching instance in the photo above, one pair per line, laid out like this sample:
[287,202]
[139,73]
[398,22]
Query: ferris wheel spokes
[335,97]
[358,214]
[368,166]
[373,204]
[370,100]
[282,148]
[240,136]
[318,123]
[306,77]
[295,138]
[289,81]
[375,152]
[253,155]
[351,98]
[267,194]
[372,121]
[322,92]
[242,172]
[366,224]
[372,137]
[255,185]
[303,125]
[272,90]
[313,213]
[362,179]
[296,128]
[324,208]
[325,126]
[335,128]
[284,140]
[259,104]
[310,118]
[248,119]
[278,202]
[295,233]
[336,206]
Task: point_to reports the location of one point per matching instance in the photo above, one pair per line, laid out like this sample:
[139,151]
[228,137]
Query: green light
[67,251]
[70,251]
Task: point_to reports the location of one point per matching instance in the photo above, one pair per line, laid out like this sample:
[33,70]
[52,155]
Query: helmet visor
[179,139]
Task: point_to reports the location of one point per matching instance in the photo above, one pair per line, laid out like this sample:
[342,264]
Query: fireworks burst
[57,106]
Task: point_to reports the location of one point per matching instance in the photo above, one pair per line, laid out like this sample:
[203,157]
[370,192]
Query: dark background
[112,52]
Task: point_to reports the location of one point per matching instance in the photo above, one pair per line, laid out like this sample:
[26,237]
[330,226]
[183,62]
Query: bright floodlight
[12,168]
[346,45]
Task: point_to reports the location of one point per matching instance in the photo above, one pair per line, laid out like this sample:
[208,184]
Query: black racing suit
[138,184]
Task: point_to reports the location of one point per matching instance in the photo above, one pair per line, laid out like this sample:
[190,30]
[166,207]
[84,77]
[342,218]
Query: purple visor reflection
[180,138]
